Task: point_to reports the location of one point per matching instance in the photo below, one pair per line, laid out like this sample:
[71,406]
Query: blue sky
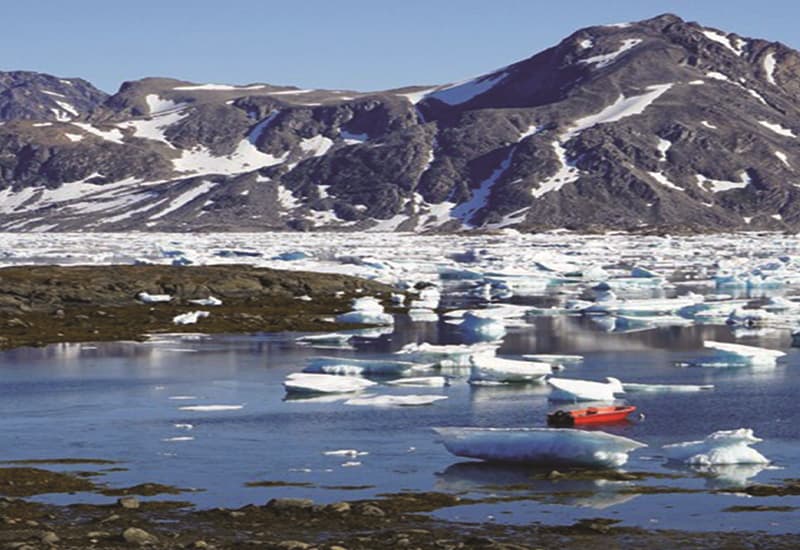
[347,44]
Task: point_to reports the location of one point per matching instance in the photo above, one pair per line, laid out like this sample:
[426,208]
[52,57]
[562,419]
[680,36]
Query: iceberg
[324,383]
[491,369]
[348,366]
[722,447]
[567,389]
[482,328]
[562,446]
[749,318]
[395,400]
[739,354]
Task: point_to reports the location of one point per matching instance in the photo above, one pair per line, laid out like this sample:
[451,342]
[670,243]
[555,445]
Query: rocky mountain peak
[655,125]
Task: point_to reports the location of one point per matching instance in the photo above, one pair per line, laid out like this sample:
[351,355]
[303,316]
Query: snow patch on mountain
[316,145]
[245,158]
[157,104]
[185,198]
[218,87]
[725,41]
[769,67]
[462,92]
[604,60]
[113,135]
[717,186]
[777,128]
[663,180]
[623,107]
[567,173]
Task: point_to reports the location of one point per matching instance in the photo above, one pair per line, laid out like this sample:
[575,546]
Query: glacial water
[123,401]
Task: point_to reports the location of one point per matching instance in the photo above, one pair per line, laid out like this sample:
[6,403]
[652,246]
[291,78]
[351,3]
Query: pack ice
[539,445]
[722,447]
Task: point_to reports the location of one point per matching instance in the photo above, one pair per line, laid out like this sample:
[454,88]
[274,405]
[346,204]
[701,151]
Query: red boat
[590,415]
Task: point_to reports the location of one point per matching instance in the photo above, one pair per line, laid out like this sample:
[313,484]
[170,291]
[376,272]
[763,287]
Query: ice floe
[394,400]
[539,445]
[305,383]
[349,366]
[422,381]
[489,370]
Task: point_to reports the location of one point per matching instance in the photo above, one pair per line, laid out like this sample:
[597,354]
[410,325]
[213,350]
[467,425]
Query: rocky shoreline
[41,305]
[392,521]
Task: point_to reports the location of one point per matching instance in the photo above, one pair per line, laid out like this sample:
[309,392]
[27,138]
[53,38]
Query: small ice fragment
[210,301]
[351,464]
[345,452]
[183,426]
[211,408]
[148,298]
[190,318]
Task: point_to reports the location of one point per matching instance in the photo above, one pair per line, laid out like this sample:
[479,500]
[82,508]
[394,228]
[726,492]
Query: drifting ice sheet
[539,445]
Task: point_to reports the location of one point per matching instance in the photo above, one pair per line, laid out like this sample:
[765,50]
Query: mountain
[659,125]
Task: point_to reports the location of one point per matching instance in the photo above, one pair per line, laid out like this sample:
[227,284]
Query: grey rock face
[660,125]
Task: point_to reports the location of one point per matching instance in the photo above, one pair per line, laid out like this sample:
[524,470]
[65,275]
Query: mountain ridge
[650,126]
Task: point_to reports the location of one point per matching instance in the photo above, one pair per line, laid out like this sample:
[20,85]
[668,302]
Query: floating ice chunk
[722,447]
[398,299]
[178,438]
[324,383]
[190,318]
[567,389]
[346,452]
[451,355]
[183,426]
[491,369]
[540,445]
[148,298]
[422,315]
[749,318]
[351,464]
[210,301]
[356,367]
[366,310]
[332,338]
[633,387]
[395,400]
[639,271]
[432,381]
[746,355]
[211,408]
[482,328]
[554,359]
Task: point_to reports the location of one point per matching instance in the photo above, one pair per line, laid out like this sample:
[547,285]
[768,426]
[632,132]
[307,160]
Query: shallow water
[122,401]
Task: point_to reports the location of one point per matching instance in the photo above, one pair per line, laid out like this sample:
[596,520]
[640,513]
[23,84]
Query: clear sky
[337,44]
